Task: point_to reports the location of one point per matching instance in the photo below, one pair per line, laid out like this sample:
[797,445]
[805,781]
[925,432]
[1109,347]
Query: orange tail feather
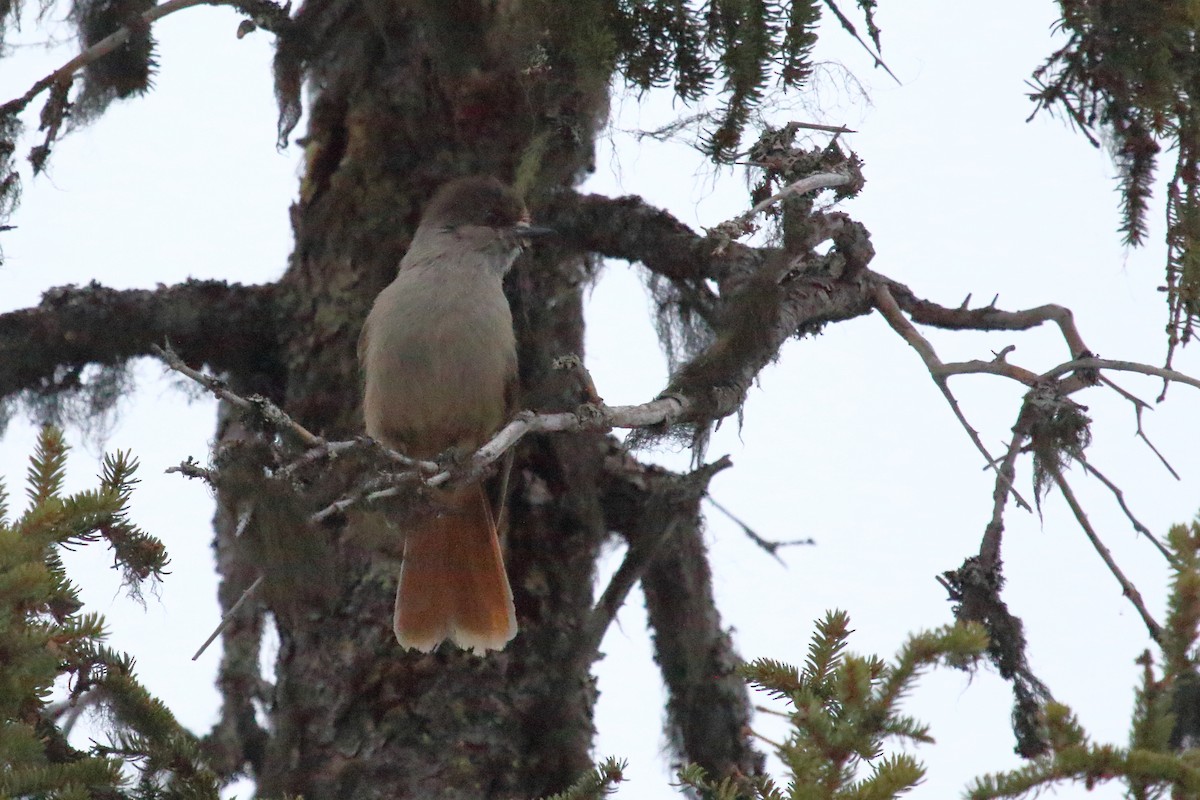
[452,583]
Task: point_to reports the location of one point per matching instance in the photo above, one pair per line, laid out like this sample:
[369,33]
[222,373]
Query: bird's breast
[439,355]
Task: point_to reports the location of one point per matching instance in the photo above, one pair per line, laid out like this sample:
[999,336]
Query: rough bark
[228,327]
[353,715]
[237,740]
[708,717]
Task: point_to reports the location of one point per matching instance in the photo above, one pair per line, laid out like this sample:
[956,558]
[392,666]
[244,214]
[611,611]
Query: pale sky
[846,440]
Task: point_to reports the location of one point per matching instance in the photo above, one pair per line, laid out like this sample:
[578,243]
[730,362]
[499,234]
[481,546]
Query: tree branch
[639,556]
[1123,366]
[989,547]
[1140,405]
[589,417]
[1127,587]
[742,224]
[890,310]
[1120,498]
[260,405]
[264,13]
[673,504]
[229,327]
[708,706]
[770,546]
[632,230]
[237,739]
[988,318]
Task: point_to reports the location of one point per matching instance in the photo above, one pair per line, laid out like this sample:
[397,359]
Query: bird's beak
[527,232]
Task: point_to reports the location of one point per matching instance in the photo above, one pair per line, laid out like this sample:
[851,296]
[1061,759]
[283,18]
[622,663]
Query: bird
[439,363]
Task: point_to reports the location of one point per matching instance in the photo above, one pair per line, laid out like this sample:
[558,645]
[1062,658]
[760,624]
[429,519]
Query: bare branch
[890,310]
[1120,497]
[261,406]
[849,27]
[326,450]
[771,547]
[1083,371]
[674,503]
[589,417]
[1162,459]
[1123,366]
[97,51]
[993,534]
[824,180]
[707,704]
[816,126]
[633,566]
[1127,587]
[264,13]
[190,468]
[371,492]
[1140,405]
[225,620]
[741,224]
[630,229]
[334,449]
[988,318]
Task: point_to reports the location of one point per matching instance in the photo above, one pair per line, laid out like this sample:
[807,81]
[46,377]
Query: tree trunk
[400,108]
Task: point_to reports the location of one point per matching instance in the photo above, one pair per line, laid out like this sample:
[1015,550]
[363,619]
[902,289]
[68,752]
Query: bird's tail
[452,581]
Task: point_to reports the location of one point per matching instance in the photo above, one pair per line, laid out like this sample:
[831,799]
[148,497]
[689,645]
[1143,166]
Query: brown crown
[476,200]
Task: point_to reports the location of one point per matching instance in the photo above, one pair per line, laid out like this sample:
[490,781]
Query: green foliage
[45,637]
[1130,70]
[1183,607]
[844,710]
[1166,715]
[599,783]
[737,46]
[743,44]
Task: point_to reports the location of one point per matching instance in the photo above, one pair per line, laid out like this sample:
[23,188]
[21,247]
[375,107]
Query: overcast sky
[846,440]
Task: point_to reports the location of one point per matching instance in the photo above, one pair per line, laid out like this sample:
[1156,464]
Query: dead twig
[318,448]
[989,318]
[264,14]
[190,468]
[890,310]
[771,547]
[254,404]
[731,230]
[333,450]
[822,180]
[1120,498]
[1093,363]
[849,28]
[97,51]
[225,620]
[1127,587]
[1140,405]
[633,566]
[588,417]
